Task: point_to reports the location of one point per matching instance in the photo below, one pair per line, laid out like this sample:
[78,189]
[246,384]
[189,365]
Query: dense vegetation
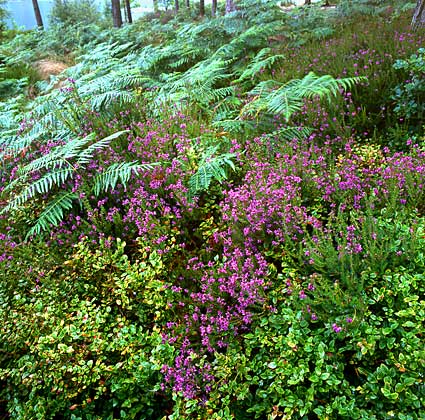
[215,218]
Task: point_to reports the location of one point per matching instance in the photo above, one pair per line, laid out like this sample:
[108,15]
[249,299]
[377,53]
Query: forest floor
[47,68]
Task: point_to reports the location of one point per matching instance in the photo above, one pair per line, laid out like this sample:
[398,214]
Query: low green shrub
[294,365]
[16,79]
[410,96]
[81,339]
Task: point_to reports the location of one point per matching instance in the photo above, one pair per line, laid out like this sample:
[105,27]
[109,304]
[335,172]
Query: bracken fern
[272,97]
[56,169]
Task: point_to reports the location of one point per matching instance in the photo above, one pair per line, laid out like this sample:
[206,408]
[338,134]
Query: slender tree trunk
[202,8]
[128,11]
[418,20]
[230,6]
[176,6]
[116,13]
[213,8]
[125,13]
[37,13]
[188,4]
[307,2]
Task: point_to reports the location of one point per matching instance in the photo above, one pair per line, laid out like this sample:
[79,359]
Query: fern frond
[234,126]
[148,58]
[275,98]
[104,55]
[289,133]
[102,100]
[41,186]
[53,214]
[58,156]
[53,160]
[227,108]
[263,60]
[210,168]
[322,32]
[86,155]
[251,39]
[122,172]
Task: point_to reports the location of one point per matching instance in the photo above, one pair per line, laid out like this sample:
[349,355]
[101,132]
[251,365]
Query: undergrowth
[215,218]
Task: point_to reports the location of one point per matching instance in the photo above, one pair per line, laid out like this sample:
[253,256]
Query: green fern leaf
[285,99]
[289,133]
[118,172]
[41,186]
[263,60]
[53,214]
[210,168]
[86,155]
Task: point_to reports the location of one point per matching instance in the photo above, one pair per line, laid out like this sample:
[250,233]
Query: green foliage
[289,365]
[87,329]
[122,172]
[65,40]
[15,79]
[271,97]
[262,61]
[80,340]
[62,113]
[361,7]
[3,15]
[410,96]
[337,263]
[69,13]
[54,212]
[210,168]
[58,168]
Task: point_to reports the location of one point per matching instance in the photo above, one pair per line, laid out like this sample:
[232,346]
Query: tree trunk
[116,13]
[176,6]
[37,13]
[307,2]
[418,20]
[230,6]
[188,4]
[213,8]
[202,8]
[128,11]
[125,13]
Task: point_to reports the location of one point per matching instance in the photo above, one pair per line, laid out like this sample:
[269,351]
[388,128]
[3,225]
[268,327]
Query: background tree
[37,13]
[128,11]
[3,14]
[202,8]
[74,12]
[176,6]
[213,8]
[230,6]
[116,13]
[418,20]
